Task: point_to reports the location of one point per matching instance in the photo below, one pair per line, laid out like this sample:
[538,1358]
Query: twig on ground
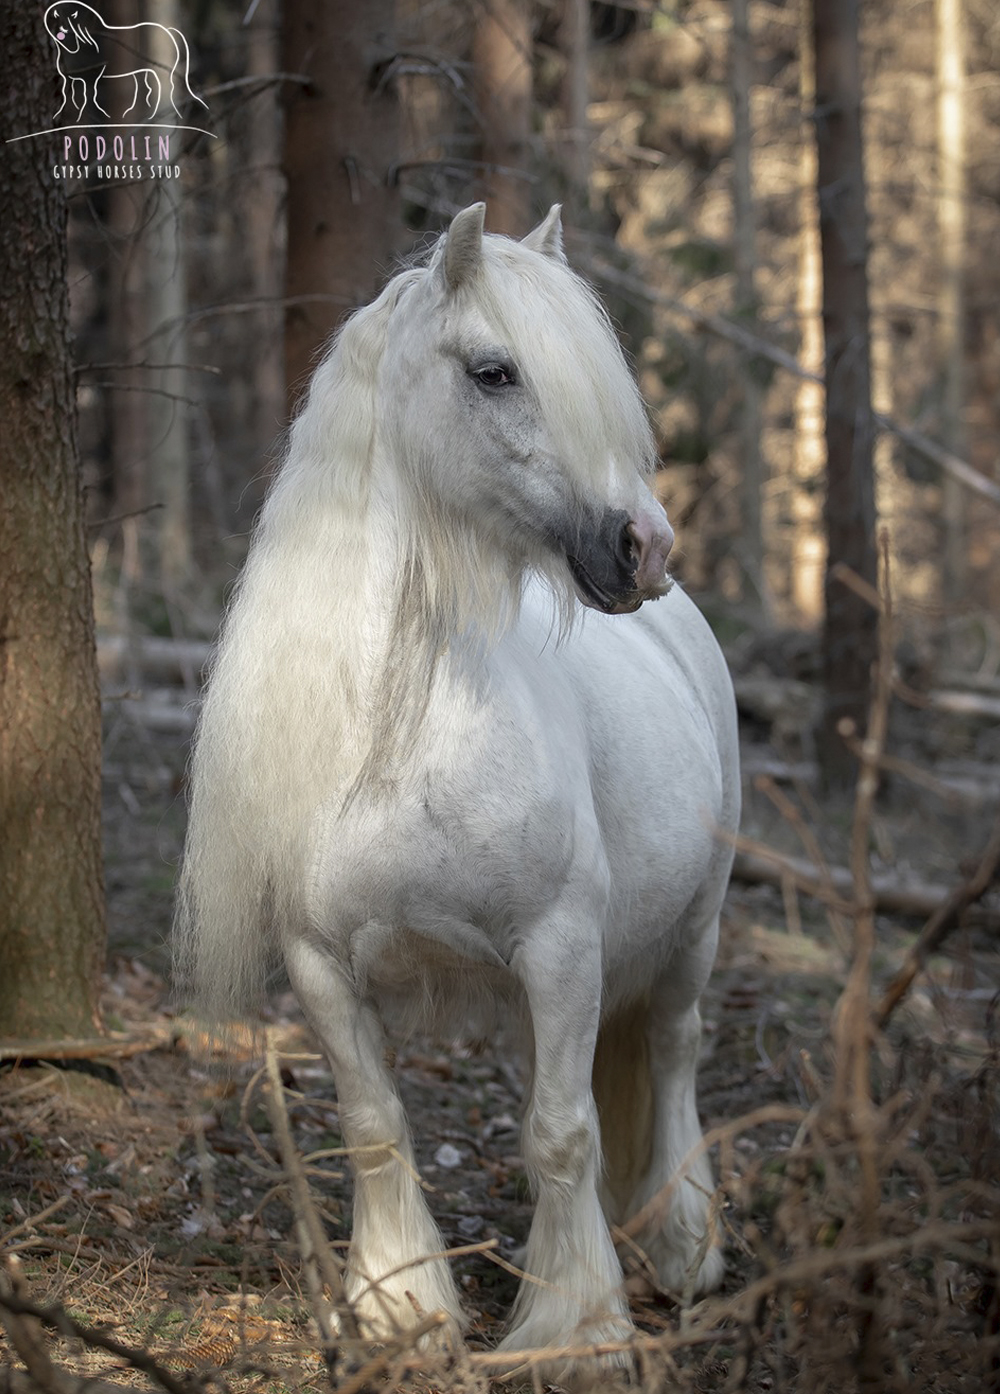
[320,1265]
[38,1219]
[24,1320]
[947,916]
[793,816]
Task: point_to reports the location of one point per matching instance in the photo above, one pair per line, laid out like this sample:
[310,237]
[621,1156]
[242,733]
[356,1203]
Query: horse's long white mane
[358,582]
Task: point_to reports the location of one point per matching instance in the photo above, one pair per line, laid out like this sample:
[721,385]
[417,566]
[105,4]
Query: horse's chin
[592,595]
[595,599]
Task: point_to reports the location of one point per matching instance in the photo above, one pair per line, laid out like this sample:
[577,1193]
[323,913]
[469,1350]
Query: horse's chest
[457,864]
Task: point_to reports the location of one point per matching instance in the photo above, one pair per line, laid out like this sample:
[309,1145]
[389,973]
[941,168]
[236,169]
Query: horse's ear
[463,246]
[547,237]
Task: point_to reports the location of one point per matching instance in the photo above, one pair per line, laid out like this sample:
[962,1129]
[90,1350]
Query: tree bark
[951,295]
[341,149]
[262,197]
[501,56]
[51,884]
[807,542]
[850,623]
[574,41]
[744,242]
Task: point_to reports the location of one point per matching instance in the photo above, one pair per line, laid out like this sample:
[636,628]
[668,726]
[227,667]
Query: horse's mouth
[595,595]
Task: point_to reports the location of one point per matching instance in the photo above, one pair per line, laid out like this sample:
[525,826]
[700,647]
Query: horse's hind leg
[390,1283]
[674,1188]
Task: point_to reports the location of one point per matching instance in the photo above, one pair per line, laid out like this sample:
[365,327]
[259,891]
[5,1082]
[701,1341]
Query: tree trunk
[951,298]
[263,199]
[574,41]
[127,210]
[850,624]
[127,321]
[168,407]
[51,885]
[807,550]
[751,382]
[341,148]
[501,57]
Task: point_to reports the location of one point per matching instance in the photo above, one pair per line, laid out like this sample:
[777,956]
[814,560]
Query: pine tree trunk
[574,42]
[51,887]
[501,57]
[168,407]
[751,385]
[263,205]
[850,625]
[951,296]
[341,148]
[807,552]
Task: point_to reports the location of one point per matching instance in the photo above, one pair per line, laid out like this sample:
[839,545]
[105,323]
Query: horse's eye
[494,375]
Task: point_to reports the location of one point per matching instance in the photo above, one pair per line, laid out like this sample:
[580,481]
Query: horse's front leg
[390,1281]
[97,83]
[577,1297]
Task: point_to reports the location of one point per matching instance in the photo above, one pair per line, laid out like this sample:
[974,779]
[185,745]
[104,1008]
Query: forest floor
[147,1201]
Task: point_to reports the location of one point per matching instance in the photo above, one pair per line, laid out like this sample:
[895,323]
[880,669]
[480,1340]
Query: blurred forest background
[681,141]
[689,144]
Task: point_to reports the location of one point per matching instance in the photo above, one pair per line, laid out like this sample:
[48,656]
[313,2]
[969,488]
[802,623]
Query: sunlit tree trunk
[808,551]
[849,629]
[51,886]
[744,242]
[340,155]
[951,297]
[501,55]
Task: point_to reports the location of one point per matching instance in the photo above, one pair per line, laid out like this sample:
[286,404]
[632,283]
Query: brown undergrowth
[180,1223]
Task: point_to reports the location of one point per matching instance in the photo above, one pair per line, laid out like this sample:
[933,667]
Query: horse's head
[510,401]
[70,25]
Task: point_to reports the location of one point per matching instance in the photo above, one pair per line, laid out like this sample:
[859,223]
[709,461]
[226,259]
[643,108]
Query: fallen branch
[755,863]
[177,660]
[944,919]
[115,1047]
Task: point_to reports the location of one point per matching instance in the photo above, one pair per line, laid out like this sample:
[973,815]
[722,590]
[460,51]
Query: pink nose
[652,540]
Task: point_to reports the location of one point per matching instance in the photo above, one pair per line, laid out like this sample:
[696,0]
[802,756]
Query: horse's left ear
[463,246]
[547,237]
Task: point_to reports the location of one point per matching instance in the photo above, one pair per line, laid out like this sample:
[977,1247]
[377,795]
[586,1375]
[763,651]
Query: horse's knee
[560,1150]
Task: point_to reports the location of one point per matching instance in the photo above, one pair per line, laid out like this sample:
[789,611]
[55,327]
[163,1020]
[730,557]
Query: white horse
[433,786]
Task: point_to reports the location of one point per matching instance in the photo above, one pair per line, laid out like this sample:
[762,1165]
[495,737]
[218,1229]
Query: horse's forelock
[567,349]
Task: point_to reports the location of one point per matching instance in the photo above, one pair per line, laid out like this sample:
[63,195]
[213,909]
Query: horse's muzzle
[622,562]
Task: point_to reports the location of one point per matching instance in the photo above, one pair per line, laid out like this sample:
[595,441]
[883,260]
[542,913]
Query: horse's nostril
[628,549]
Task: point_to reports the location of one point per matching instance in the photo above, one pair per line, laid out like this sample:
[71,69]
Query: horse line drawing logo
[93,56]
[126,95]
